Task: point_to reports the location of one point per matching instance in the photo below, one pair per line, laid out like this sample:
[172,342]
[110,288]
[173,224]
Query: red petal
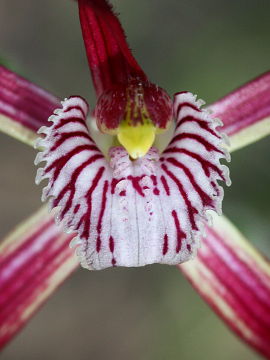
[34,260]
[109,56]
[235,281]
[23,101]
[246,112]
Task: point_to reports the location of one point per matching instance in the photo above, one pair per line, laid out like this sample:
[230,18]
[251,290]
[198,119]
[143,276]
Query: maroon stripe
[206,200]
[165,245]
[186,104]
[206,165]
[75,107]
[202,123]
[154,181]
[58,164]
[111,244]
[165,185]
[68,135]
[135,181]
[75,120]
[191,210]
[76,208]
[87,216]
[180,234]
[101,214]
[70,186]
[208,146]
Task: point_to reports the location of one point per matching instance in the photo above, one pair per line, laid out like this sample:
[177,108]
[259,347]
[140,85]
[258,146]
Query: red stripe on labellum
[65,136]
[206,165]
[180,234]
[114,183]
[165,245]
[59,163]
[192,211]
[135,180]
[111,244]
[185,104]
[87,215]
[154,180]
[206,200]
[75,108]
[198,138]
[204,125]
[101,214]
[75,120]
[165,185]
[71,186]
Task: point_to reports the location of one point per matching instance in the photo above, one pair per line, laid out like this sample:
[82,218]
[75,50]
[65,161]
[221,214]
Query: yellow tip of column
[137,140]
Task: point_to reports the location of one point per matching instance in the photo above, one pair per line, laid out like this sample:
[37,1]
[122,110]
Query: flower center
[135,114]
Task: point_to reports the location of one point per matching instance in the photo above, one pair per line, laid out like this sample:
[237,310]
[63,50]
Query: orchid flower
[131,206]
[131,199]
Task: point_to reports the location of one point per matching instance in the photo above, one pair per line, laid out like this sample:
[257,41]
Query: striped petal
[133,213]
[245,112]
[34,260]
[24,107]
[234,279]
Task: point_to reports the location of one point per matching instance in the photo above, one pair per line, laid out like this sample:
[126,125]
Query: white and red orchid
[133,212]
[131,201]
[133,205]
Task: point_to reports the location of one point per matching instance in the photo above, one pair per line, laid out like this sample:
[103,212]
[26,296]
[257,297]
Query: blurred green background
[209,47]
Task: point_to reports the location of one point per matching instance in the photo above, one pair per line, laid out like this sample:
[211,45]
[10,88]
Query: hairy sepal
[133,213]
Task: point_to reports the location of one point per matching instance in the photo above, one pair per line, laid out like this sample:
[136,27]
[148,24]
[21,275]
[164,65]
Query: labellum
[134,205]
